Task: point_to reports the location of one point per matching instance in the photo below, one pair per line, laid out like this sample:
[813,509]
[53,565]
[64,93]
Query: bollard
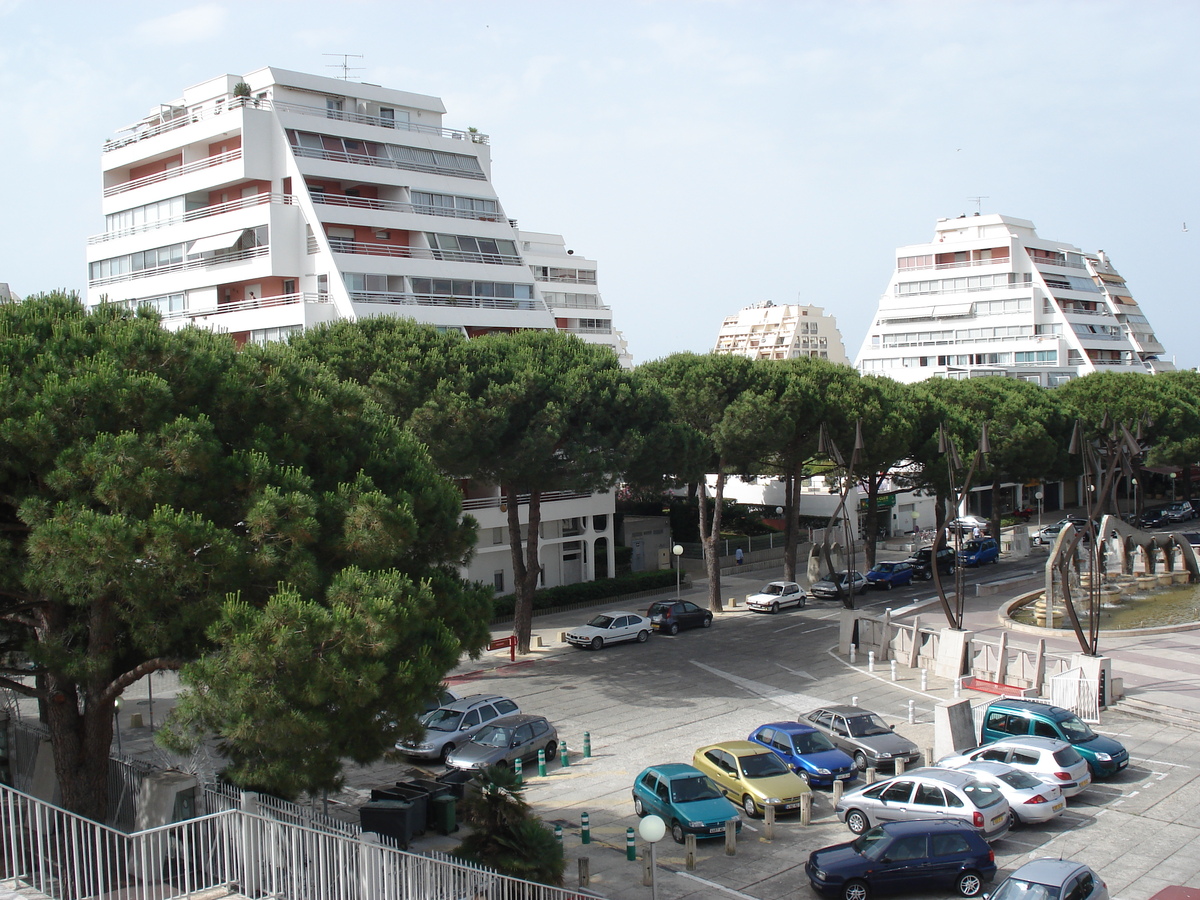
[585,828]
[731,837]
[912,712]
[630,845]
[924,679]
[537,641]
[647,865]
[839,788]
[929,756]
[870,660]
[854,700]
[689,842]
[563,758]
[732,602]
[562,637]
[900,766]
[517,770]
[558,834]
[542,763]
[769,821]
[893,670]
[585,875]
[587,745]
[957,686]
[869,775]
[806,808]
[853,653]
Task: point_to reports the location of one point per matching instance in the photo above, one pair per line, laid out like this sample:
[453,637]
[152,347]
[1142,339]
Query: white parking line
[1159,762]
[720,887]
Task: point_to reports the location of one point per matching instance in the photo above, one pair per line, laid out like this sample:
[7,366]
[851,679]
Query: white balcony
[195,214]
[158,177]
[364,248]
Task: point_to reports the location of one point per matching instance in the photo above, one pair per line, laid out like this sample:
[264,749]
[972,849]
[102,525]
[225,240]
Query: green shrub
[586,591]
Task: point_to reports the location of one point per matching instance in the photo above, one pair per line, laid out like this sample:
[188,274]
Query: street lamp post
[117,723]
[652,829]
[678,551]
[1040,495]
[1172,487]
[1136,520]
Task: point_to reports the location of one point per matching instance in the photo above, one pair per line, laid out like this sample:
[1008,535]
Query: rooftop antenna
[978,201]
[344,65]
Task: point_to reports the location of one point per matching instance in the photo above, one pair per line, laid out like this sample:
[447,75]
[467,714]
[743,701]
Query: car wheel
[804,776]
[597,643]
[928,576]
[969,884]
[446,751]
[860,760]
[642,636]
[677,831]
[551,748]
[802,603]
[887,585]
[748,806]
[1013,821]
[673,628]
[708,621]
[996,561]
[502,764]
[638,808]
[855,890]
[857,821]
[774,608]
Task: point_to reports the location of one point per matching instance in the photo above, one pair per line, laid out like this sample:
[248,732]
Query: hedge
[586,591]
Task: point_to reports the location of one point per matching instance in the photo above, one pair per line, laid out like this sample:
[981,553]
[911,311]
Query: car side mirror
[515,743]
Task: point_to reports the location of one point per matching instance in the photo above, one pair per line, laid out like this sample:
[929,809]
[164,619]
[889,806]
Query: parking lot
[657,702]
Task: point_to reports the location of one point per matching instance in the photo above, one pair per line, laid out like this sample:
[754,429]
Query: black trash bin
[390,818]
[443,813]
[435,789]
[419,797]
[456,780]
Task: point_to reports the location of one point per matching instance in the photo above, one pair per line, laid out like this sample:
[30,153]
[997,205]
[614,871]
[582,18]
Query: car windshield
[693,788]
[1022,781]
[884,567]
[982,794]
[813,742]
[772,589]
[870,841]
[867,726]
[1015,889]
[763,765]
[443,720]
[1075,730]
[1067,756]
[657,609]
[493,736]
[971,546]
[601,621]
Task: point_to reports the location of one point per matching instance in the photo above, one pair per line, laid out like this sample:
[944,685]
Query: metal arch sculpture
[829,448]
[954,464]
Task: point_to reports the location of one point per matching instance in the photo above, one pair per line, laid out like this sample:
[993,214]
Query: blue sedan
[807,752]
[888,575]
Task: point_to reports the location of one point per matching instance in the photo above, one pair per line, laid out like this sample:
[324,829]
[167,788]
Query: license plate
[716,830]
[1057,806]
[844,775]
[790,806]
[1085,780]
[1123,765]
[996,820]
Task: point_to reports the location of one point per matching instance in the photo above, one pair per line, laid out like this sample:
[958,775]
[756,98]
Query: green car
[685,798]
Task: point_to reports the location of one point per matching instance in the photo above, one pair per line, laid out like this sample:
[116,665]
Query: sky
[709,155]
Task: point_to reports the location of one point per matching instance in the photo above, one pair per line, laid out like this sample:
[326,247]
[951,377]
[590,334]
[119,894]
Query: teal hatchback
[1007,718]
[685,798]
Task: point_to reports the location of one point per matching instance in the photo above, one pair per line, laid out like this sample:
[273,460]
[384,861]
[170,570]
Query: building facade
[265,204]
[988,296]
[767,331]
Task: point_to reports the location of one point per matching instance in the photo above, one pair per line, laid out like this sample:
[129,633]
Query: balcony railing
[1061,262]
[219,259]
[581,278]
[403,207]
[386,162]
[182,117]
[559,302]
[407,299]
[1073,311]
[193,214]
[590,330]
[523,499]
[199,165]
[365,248]
[245,305]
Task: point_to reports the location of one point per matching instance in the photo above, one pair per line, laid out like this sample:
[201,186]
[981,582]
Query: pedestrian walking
[738,556]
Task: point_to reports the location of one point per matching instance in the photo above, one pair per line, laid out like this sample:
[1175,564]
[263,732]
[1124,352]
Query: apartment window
[165,304]
[333,107]
[464,248]
[499,535]
[498,581]
[387,117]
[455,205]
[371,153]
[604,325]
[914,262]
[150,215]
[462,288]
[270,335]
[1028,357]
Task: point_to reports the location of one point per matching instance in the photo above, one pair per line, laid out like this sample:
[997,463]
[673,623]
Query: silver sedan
[1031,799]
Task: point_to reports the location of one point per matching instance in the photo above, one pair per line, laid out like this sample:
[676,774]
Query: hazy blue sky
[709,155]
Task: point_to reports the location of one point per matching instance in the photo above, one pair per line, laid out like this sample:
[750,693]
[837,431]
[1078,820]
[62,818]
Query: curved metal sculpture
[958,494]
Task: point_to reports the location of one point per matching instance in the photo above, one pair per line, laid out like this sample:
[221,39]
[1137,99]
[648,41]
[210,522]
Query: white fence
[68,857]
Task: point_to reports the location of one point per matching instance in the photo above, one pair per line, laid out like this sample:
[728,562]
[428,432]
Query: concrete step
[1156,712]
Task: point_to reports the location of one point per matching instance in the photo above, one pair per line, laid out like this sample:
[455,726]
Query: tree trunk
[527,569]
[791,528]
[710,534]
[81,742]
[872,524]
[996,507]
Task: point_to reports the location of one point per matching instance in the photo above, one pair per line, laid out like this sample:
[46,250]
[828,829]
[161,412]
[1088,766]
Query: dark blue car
[918,855]
[888,575]
[807,752]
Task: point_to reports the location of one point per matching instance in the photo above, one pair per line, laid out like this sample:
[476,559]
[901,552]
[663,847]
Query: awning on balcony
[216,242]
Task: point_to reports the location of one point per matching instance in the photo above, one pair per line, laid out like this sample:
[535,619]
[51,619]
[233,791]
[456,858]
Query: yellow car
[751,776]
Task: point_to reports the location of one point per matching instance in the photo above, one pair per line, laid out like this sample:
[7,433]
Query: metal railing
[582,278]
[590,330]
[178,118]
[386,162]
[523,499]
[199,165]
[67,857]
[1061,262]
[406,207]
[218,260]
[402,298]
[244,305]
[193,214]
[368,248]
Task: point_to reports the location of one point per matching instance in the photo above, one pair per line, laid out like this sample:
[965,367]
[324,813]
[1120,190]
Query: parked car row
[479,731]
[616,626]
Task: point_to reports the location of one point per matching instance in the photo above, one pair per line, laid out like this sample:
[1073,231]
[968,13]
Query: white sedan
[1032,800]
[610,628]
[776,595]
